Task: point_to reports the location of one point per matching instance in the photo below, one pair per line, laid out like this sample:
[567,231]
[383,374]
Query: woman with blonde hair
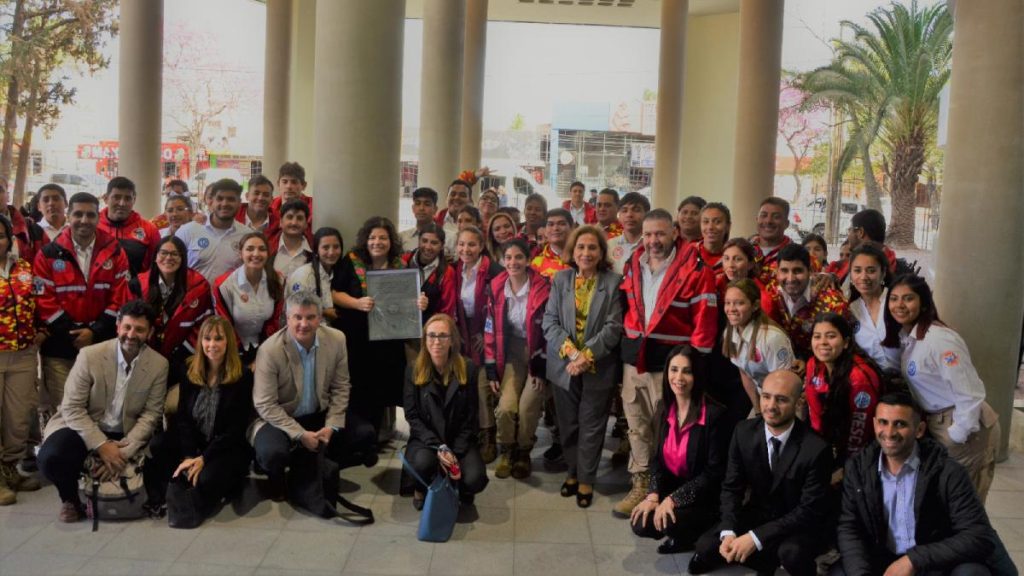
[500,229]
[441,407]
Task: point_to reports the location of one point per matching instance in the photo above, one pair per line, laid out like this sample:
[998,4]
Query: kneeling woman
[441,407]
[689,465]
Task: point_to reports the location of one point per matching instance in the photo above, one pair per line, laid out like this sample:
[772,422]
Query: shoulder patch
[296,287]
[862,400]
[782,355]
[950,358]
[59,265]
[139,234]
[912,368]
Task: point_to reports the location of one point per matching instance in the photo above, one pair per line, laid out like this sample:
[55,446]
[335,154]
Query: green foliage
[518,122]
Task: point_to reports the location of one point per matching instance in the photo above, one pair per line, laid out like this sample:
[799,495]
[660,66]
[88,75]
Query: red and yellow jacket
[17,319]
[179,328]
[138,237]
[799,327]
[486,271]
[864,391]
[547,263]
[686,311]
[65,300]
[612,230]
[768,263]
[496,330]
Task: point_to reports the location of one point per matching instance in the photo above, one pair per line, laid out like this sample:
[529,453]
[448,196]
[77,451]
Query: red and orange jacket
[496,329]
[686,311]
[17,319]
[798,327]
[138,236]
[65,300]
[547,263]
[768,263]
[864,392]
[439,286]
[612,230]
[486,271]
[29,237]
[589,212]
[179,328]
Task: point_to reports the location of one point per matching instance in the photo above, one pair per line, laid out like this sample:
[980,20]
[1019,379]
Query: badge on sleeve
[862,400]
[296,287]
[204,243]
[912,368]
[59,265]
[37,286]
[782,356]
[949,358]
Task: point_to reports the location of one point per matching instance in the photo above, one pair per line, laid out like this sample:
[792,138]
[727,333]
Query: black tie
[776,448]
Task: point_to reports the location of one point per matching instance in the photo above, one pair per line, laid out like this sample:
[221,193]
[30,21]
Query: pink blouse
[673,452]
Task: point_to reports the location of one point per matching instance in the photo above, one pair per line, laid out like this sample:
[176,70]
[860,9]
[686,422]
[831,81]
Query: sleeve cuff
[756,541]
[724,533]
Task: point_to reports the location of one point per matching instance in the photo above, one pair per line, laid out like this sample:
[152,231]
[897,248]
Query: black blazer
[234,413]
[787,499]
[706,449]
[439,415]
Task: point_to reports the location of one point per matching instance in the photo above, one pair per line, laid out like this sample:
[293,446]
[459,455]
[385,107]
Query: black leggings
[423,460]
[690,523]
[61,458]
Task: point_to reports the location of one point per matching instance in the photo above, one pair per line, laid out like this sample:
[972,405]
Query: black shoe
[554,453]
[673,546]
[28,463]
[584,500]
[698,565]
[467,498]
[418,499]
[569,489]
[370,459]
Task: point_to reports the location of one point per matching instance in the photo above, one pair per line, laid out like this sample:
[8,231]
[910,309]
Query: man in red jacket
[670,300]
[581,210]
[137,236]
[291,181]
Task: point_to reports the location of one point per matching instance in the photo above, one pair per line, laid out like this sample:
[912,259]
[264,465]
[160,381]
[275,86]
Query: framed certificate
[395,315]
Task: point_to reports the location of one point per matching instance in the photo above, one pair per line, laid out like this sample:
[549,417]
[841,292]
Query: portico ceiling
[633,13]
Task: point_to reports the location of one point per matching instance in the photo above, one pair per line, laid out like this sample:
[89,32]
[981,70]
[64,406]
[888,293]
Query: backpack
[313,486]
[121,498]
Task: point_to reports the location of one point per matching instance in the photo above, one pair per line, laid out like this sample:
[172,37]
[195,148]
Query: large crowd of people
[773,404]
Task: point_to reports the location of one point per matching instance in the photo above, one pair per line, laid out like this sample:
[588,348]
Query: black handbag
[313,486]
[184,506]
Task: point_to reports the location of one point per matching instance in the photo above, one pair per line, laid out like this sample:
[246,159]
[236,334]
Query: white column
[357,112]
[757,114]
[979,271]
[669,129]
[473,71]
[139,91]
[441,93]
[276,85]
[300,99]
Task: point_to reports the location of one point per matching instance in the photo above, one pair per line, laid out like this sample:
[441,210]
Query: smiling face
[379,243]
[83,219]
[557,230]
[215,345]
[817,251]
[439,341]
[502,229]
[254,254]
[659,238]
[714,227]
[515,261]
[680,376]
[827,342]
[738,308]
[120,203]
[866,274]
[468,248]
[223,206]
[259,197]
[303,322]
[430,247]
[606,208]
[779,395]
[904,305]
[735,263]
[534,213]
[897,429]
[132,334]
[458,198]
[587,253]
[465,220]
[771,224]
[793,277]
[689,220]
[52,205]
[168,259]
[178,213]
[329,251]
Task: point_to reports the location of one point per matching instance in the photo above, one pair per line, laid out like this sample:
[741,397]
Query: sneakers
[7,495]
[523,466]
[71,512]
[637,493]
[488,449]
[10,476]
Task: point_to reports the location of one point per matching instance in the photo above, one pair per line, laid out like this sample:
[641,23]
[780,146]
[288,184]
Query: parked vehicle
[71,182]
[811,217]
[522,184]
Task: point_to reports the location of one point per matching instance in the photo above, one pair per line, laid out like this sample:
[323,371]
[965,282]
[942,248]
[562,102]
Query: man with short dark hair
[632,209]
[113,405]
[535,210]
[772,222]
[424,208]
[213,246]
[291,181]
[688,218]
[551,258]
[53,205]
[255,211]
[910,509]
[290,245]
[580,210]
[606,207]
[138,236]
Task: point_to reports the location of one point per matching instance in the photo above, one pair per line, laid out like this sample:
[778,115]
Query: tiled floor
[518,527]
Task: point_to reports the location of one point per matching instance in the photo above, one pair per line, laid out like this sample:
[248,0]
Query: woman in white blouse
[869,276]
[752,341]
[316,276]
[251,296]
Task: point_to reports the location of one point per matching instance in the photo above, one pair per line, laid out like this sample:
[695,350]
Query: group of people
[222,339]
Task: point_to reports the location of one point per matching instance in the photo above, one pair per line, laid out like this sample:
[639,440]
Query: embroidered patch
[617,252]
[204,243]
[817,382]
[244,297]
[140,234]
[194,303]
[782,356]
[296,287]
[108,264]
[949,358]
[489,326]
[59,265]
[912,368]
[862,400]
[37,286]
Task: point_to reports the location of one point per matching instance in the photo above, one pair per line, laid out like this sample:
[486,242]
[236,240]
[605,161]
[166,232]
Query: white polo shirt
[620,249]
[212,251]
[286,262]
[303,279]
[772,351]
[869,335]
[250,306]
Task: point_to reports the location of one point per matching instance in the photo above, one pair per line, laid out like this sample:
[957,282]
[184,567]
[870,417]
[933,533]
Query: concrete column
[139,92]
[757,113]
[300,99]
[473,70]
[669,128]
[441,93]
[276,85]
[979,271]
[357,112]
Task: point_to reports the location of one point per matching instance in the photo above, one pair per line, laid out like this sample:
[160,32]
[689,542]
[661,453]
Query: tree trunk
[872,190]
[907,160]
[26,152]
[13,91]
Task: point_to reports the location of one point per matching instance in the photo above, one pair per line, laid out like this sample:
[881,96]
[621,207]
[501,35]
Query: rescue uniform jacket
[138,236]
[179,328]
[65,300]
[768,262]
[28,236]
[865,388]
[496,328]
[589,212]
[686,311]
[17,319]
[486,271]
[439,286]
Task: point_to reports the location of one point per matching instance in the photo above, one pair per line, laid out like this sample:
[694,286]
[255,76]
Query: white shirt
[84,256]
[5,270]
[772,351]
[411,238]
[517,307]
[794,305]
[579,215]
[212,251]
[262,227]
[651,282]
[869,334]
[286,262]
[303,279]
[620,249]
[250,306]
[451,235]
[941,375]
[468,292]
[113,416]
[50,230]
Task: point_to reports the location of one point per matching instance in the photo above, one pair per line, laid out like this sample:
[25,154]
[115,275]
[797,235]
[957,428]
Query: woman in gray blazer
[582,325]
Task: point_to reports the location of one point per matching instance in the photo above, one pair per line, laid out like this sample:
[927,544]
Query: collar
[123,363]
[784,437]
[471,271]
[911,465]
[12,258]
[164,285]
[304,248]
[645,260]
[523,291]
[302,349]
[745,335]
[805,298]
[44,223]
[235,224]
[242,280]
[80,248]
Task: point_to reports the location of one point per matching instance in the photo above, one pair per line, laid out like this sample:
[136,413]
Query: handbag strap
[95,505]
[401,455]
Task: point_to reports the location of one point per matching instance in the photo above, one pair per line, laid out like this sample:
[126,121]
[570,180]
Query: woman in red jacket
[514,354]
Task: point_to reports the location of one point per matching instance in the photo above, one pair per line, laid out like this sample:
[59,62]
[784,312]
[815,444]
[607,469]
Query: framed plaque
[395,315]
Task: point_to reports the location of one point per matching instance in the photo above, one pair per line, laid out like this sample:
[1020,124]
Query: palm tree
[887,81]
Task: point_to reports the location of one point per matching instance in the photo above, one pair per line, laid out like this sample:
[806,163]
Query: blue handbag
[440,509]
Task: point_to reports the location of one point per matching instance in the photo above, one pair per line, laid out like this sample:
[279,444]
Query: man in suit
[301,391]
[113,402]
[785,467]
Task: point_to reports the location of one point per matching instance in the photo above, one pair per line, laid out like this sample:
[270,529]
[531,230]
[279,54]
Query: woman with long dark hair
[869,278]
[251,296]
[438,275]
[316,276]
[692,440]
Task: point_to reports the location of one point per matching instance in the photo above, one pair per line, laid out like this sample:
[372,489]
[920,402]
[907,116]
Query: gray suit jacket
[277,381]
[604,327]
[90,389]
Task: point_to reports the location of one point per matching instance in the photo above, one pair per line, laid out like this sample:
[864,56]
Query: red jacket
[66,300]
[273,324]
[495,328]
[180,327]
[686,310]
[798,327]
[29,236]
[138,236]
[273,223]
[769,262]
[865,388]
[17,317]
[589,212]
[439,287]
[485,272]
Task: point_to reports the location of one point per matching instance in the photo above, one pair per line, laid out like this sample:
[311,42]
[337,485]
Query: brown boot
[504,467]
[7,496]
[71,512]
[15,481]
[523,466]
[637,493]
[488,449]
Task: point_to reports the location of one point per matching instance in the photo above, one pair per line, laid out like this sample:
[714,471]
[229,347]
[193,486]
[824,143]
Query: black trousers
[965,569]
[220,477]
[690,523]
[423,460]
[795,553]
[348,447]
[61,459]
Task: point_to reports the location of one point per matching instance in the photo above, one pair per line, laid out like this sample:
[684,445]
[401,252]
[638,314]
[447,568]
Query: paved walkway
[520,527]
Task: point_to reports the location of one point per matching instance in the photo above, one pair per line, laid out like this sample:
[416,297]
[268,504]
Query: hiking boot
[488,449]
[504,467]
[15,481]
[7,495]
[71,512]
[523,466]
[641,482]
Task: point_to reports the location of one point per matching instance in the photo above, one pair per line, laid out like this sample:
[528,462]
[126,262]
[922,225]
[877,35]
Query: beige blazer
[277,384]
[90,389]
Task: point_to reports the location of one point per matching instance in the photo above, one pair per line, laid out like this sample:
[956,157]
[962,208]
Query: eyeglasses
[441,337]
[168,254]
